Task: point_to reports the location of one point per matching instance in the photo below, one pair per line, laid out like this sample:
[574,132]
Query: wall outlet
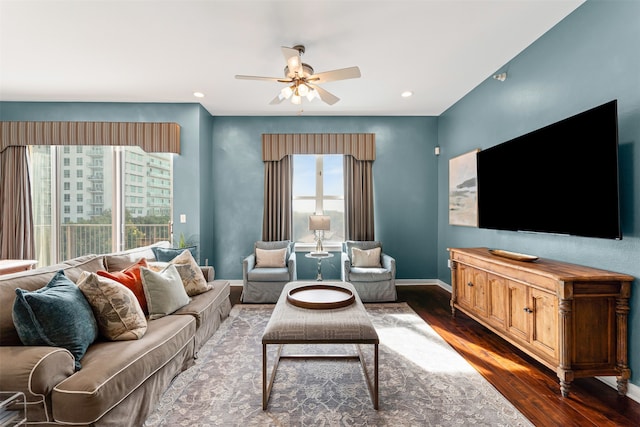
[183,218]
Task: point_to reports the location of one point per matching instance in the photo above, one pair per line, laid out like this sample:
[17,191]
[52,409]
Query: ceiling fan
[301,80]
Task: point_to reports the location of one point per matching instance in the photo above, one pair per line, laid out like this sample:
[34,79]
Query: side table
[319,256]
[8,266]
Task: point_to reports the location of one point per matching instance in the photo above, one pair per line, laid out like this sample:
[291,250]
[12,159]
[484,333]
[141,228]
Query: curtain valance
[362,146]
[151,137]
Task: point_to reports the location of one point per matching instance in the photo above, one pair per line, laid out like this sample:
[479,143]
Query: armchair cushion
[366,257]
[359,274]
[269,275]
[272,258]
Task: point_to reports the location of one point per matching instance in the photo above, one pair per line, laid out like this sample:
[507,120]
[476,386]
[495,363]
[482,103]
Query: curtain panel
[358,199]
[16,228]
[278,180]
[151,137]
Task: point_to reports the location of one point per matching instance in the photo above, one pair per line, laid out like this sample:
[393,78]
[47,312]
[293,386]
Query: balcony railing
[84,239]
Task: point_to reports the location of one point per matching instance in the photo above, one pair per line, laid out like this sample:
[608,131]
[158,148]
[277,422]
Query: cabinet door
[518,319]
[479,292]
[544,333]
[497,291]
[464,285]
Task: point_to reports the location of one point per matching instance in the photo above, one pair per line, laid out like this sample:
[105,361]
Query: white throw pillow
[274,258]
[365,258]
[164,291]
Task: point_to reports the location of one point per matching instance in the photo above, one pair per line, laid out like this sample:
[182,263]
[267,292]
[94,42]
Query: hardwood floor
[529,386]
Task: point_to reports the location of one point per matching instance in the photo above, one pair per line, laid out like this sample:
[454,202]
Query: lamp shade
[319,222]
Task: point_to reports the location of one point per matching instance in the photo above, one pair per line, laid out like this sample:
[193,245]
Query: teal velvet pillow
[57,315]
[167,254]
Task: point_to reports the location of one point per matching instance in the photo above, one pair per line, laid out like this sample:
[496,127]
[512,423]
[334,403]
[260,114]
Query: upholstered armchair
[369,270]
[265,272]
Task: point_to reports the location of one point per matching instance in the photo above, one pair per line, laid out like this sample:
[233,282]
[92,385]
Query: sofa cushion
[271,258]
[366,257]
[167,254]
[57,315]
[130,277]
[268,275]
[112,370]
[163,290]
[114,306]
[122,260]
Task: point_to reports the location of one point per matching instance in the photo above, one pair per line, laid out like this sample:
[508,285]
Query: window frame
[320,198]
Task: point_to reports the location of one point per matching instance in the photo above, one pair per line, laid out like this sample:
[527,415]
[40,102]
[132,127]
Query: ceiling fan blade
[292,56]
[327,97]
[268,79]
[341,74]
[277,100]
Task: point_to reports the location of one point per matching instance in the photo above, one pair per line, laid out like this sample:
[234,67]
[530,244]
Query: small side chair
[265,272]
[369,270]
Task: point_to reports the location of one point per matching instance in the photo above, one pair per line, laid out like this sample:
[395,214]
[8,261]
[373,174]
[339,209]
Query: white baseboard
[633,391]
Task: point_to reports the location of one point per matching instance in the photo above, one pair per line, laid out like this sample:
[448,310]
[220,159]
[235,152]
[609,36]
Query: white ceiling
[163,51]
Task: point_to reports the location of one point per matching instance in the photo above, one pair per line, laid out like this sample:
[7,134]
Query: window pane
[332,173]
[304,175]
[301,211]
[148,196]
[40,157]
[335,210]
[88,229]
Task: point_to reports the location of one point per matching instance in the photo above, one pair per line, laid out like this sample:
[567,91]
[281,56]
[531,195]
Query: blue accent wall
[405,187]
[591,57]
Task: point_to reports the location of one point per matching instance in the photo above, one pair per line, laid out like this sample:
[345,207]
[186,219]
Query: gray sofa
[120,382]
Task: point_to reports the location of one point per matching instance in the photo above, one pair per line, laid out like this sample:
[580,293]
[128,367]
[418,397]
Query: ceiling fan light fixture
[303,90]
[313,94]
[286,93]
[296,99]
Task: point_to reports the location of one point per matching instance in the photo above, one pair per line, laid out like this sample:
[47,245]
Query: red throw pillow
[130,277]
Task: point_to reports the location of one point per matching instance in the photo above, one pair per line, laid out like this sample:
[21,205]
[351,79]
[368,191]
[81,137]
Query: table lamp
[318,224]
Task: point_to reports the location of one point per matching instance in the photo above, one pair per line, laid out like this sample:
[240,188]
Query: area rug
[423,381]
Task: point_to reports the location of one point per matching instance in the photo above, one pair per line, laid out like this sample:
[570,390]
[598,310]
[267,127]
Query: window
[318,187]
[66,161]
[99,220]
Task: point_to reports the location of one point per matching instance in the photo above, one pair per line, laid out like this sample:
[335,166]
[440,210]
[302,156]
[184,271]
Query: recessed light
[406,94]
[198,94]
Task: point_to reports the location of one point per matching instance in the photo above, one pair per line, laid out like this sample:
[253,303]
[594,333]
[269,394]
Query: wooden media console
[571,318]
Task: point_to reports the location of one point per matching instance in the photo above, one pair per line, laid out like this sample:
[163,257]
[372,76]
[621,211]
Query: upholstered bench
[290,324]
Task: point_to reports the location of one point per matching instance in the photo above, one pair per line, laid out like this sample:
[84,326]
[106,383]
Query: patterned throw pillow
[190,273]
[164,291]
[271,258]
[366,258]
[130,277]
[57,315]
[114,306]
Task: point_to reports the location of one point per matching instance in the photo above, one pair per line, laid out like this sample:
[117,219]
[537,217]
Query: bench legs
[268,384]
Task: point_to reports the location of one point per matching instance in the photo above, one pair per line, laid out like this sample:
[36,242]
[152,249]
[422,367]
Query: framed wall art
[463,190]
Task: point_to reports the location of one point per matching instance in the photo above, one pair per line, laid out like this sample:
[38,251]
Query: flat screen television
[561,179]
